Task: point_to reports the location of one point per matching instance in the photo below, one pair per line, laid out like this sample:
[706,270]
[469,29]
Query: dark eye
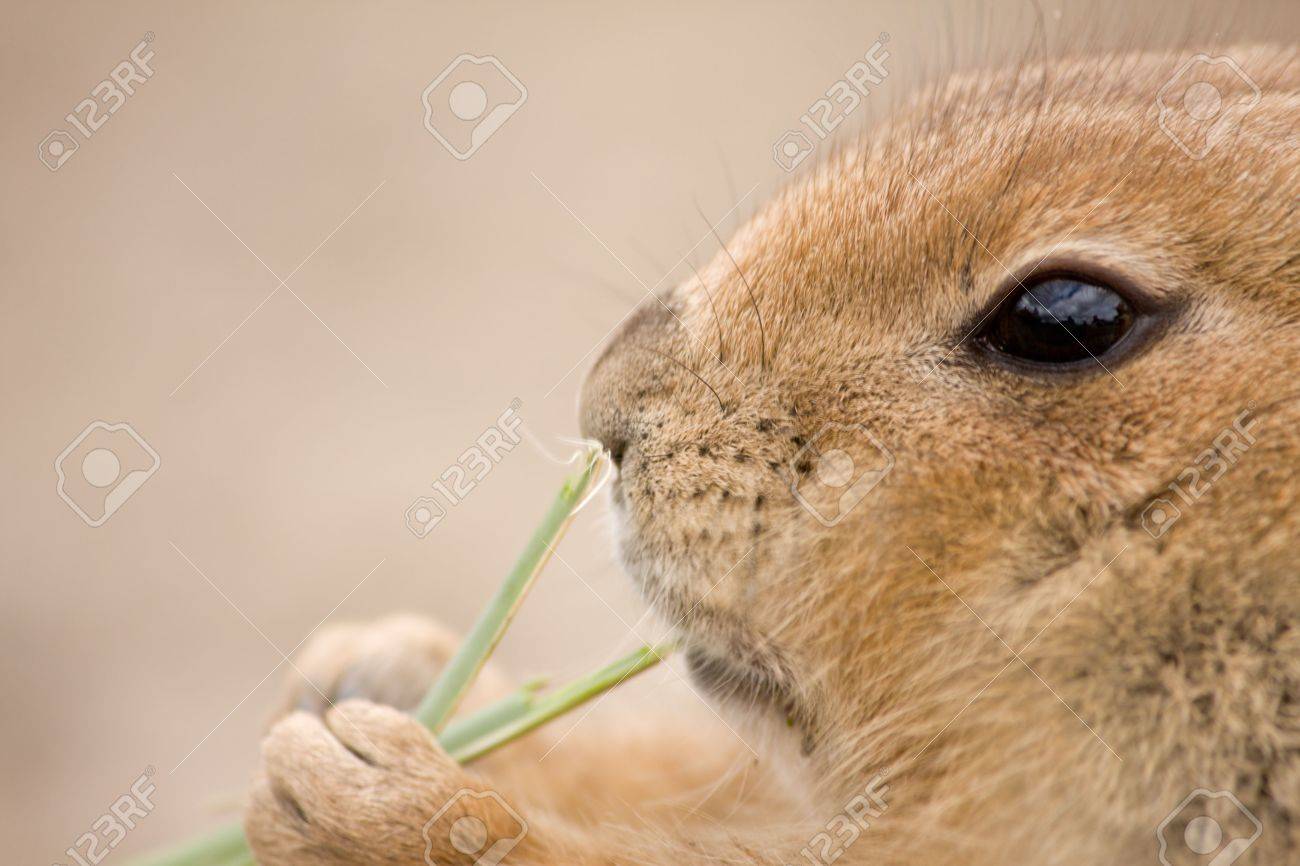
[1059,321]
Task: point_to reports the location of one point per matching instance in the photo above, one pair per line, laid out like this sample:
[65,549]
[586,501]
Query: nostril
[617,448]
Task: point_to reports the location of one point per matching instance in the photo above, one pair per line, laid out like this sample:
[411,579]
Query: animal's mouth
[727,659]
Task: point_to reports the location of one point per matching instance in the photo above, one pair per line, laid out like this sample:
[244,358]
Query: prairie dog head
[1002,396]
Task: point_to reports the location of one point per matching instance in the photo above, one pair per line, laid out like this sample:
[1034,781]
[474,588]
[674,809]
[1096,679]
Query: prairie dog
[968,473]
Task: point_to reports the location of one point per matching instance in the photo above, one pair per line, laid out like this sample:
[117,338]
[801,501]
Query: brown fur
[1151,666]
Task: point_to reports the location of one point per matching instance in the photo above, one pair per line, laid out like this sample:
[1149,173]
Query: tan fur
[1151,666]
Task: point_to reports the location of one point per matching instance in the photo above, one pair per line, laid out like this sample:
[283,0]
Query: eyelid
[1134,280]
[1143,301]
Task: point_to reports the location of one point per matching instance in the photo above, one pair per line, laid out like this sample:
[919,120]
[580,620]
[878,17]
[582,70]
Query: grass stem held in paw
[495,725]
[561,701]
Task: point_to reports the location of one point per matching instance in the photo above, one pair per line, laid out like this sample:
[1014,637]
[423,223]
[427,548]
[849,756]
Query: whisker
[762,332]
[717,321]
[703,381]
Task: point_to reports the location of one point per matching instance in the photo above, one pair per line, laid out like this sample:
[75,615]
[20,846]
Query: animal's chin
[730,681]
[754,692]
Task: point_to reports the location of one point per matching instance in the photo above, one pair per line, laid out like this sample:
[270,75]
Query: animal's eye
[1058,321]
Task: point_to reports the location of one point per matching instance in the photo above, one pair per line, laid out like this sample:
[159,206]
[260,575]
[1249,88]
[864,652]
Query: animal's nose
[606,412]
[614,396]
[616,447]
[601,421]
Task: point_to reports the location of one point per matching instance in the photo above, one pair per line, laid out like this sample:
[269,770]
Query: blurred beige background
[294,431]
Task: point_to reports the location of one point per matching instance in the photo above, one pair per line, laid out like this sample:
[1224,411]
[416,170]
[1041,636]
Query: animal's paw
[390,661]
[368,784]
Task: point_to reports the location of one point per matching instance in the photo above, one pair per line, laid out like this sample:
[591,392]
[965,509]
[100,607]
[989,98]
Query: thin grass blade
[459,675]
